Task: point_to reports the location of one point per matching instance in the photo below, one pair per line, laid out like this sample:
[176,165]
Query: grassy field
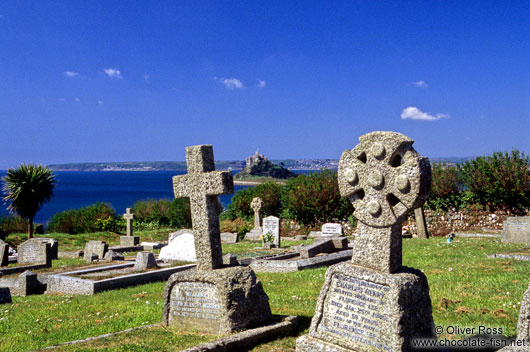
[467,289]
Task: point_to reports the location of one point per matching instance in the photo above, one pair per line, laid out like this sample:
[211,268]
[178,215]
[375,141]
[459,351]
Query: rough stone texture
[174,235]
[397,308]
[229,260]
[129,241]
[35,251]
[90,257]
[331,229]
[73,254]
[5,295]
[4,254]
[421,226]
[202,185]
[229,237]
[180,248]
[54,246]
[111,256]
[523,326]
[327,246]
[219,301]
[144,261]
[287,263]
[256,205]
[516,230]
[28,284]
[300,237]
[128,216]
[98,248]
[271,224]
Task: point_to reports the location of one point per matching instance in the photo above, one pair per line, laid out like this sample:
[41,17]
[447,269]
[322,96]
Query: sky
[95,81]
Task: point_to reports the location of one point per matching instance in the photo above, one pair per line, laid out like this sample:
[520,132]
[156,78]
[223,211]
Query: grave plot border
[63,283]
[277,263]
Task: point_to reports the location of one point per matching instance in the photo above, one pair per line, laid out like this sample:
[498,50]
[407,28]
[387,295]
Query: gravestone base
[219,301]
[361,309]
[129,241]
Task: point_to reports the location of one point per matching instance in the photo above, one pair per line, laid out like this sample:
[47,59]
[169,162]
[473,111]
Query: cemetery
[275,286]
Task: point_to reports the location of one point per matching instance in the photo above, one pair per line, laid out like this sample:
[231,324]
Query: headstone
[111,256]
[35,251]
[27,284]
[421,225]
[374,303]
[331,229]
[151,245]
[98,248]
[256,205]
[54,246]
[129,240]
[4,254]
[5,295]
[180,248]
[174,235]
[89,258]
[516,229]
[229,237]
[229,260]
[144,261]
[271,225]
[212,298]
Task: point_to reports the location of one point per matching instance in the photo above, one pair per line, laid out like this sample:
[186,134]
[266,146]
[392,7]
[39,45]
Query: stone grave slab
[35,251]
[374,303]
[516,229]
[98,248]
[181,247]
[229,237]
[271,224]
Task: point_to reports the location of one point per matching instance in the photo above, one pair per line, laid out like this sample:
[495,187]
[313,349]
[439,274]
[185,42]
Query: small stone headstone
[174,235]
[421,225]
[54,246]
[331,229]
[27,283]
[5,295]
[35,251]
[229,237]
[89,258]
[516,229]
[111,256]
[271,225]
[151,245]
[98,248]
[144,261]
[180,248]
[4,254]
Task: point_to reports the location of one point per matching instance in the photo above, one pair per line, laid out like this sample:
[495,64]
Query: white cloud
[414,113]
[261,84]
[230,83]
[420,84]
[113,73]
[71,74]
[100,102]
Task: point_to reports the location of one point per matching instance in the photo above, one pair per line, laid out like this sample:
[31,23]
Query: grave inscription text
[195,300]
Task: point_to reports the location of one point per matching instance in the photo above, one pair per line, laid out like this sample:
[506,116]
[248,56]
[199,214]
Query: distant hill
[259,166]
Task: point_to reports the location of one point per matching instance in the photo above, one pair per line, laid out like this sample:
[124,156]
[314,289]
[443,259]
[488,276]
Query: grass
[467,289]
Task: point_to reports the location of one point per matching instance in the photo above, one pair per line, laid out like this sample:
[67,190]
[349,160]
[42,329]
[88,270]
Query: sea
[121,189]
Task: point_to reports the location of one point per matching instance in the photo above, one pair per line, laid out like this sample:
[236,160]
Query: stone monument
[374,303]
[516,229]
[35,251]
[271,225]
[213,299]
[4,254]
[129,240]
[94,247]
[421,225]
[257,231]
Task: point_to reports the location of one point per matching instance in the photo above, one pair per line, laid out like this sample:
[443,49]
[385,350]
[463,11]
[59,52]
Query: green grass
[467,289]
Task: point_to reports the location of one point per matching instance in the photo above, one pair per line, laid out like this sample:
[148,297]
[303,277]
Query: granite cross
[384,179]
[256,205]
[129,217]
[202,184]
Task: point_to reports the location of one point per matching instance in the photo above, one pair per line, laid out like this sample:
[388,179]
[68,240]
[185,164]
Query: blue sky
[87,81]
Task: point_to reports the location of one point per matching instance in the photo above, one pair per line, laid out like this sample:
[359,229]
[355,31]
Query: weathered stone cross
[256,205]
[129,217]
[202,185]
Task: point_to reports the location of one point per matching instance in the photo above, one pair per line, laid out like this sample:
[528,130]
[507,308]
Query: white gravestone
[181,247]
[331,229]
[271,224]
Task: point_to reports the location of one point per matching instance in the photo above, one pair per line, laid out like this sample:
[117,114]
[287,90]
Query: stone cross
[202,184]
[385,179]
[256,205]
[129,217]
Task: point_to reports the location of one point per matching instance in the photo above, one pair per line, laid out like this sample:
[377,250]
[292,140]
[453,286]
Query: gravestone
[98,248]
[28,284]
[54,246]
[5,295]
[331,230]
[516,229]
[229,237]
[35,251]
[180,248]
[421,225]
[144,261]
[257,231]
[112,256]
[271,224]
[374,303]
[4,254]
[213,298]
[129,240]
[523,325]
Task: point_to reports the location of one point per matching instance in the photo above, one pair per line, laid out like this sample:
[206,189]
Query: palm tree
[27,188]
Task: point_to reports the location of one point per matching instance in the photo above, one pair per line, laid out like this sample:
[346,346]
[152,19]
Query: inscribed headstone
[34,251]
[98,248]
[271,225]
[4,254]
[181,248]
[331,229]
[516,229]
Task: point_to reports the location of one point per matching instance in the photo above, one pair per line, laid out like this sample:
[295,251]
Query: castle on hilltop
[255,159]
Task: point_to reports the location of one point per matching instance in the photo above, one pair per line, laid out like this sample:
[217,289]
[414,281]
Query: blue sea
[121,189]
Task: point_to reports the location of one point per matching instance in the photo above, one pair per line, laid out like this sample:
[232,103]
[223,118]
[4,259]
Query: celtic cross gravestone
[256,205]
[374,303]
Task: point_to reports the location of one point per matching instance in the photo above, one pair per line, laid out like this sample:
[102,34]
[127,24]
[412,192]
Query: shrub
[83,220]
[315,198]
[269,192]
[501,180]
[163,212]
[446,188]
[12,224]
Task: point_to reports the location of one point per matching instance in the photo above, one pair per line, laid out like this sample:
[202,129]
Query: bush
[83,220]
[446,188]
[315,198]
[269,192]
[12,224]
[499,181]
[163,212]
